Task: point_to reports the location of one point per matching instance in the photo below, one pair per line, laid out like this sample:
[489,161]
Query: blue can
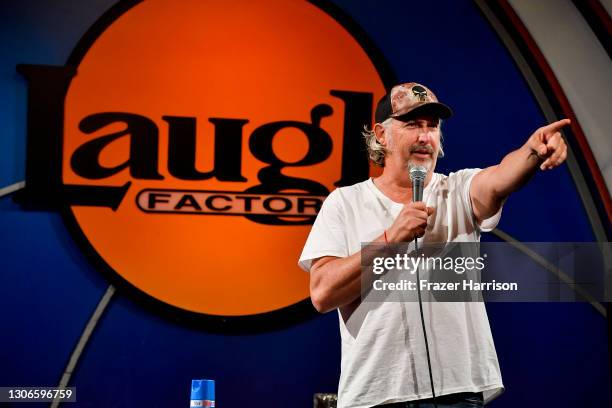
[202,393]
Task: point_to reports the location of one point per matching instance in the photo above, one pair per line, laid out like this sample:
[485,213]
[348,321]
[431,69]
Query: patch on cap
[419,92]
[407,96]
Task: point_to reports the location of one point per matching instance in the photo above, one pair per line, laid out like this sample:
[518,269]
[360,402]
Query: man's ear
[379,131]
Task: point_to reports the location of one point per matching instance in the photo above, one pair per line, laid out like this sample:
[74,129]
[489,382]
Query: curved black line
[598,20]
[554,103]
[382,65]
[97,28]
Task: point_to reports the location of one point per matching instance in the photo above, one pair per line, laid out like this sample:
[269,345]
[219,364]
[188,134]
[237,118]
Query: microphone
[417,176]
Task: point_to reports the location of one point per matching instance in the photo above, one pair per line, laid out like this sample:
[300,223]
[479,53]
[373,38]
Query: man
[384,360]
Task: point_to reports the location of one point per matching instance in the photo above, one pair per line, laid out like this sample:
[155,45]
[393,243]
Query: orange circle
[261,61]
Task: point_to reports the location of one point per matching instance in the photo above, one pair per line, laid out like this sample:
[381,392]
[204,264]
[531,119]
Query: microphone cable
[417,176]
[418,280]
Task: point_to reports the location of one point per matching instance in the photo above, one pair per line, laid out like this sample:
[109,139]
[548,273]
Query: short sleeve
[490,223]
[328,234]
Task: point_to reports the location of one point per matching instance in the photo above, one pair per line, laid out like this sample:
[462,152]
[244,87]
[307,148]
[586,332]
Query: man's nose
[424,134]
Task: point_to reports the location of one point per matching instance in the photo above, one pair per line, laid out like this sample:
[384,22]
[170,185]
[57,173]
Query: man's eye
[411,125]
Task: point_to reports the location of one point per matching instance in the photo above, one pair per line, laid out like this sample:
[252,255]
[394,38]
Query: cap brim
[432,108]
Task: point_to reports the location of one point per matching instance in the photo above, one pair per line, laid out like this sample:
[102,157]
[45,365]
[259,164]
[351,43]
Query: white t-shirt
[383,350]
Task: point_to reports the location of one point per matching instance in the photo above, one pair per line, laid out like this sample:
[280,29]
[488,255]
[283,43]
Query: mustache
[421,149]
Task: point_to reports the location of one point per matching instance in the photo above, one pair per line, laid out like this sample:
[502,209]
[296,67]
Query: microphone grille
[418,173]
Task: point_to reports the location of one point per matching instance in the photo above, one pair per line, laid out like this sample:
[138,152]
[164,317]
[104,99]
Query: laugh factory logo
[200,139]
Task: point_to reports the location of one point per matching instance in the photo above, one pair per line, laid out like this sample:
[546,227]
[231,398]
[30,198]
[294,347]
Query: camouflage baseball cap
[410,97]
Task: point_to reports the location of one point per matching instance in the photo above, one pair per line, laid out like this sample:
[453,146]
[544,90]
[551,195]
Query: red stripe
[601,13]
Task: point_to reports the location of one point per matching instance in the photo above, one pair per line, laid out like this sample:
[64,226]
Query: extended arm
[490,187]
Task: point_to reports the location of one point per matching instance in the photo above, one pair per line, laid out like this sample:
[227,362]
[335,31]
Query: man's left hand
[548,144]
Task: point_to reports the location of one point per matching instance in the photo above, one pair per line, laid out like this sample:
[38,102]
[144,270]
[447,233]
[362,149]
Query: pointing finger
[555,126]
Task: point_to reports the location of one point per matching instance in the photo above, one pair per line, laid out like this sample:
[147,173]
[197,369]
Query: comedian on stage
[384,361]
